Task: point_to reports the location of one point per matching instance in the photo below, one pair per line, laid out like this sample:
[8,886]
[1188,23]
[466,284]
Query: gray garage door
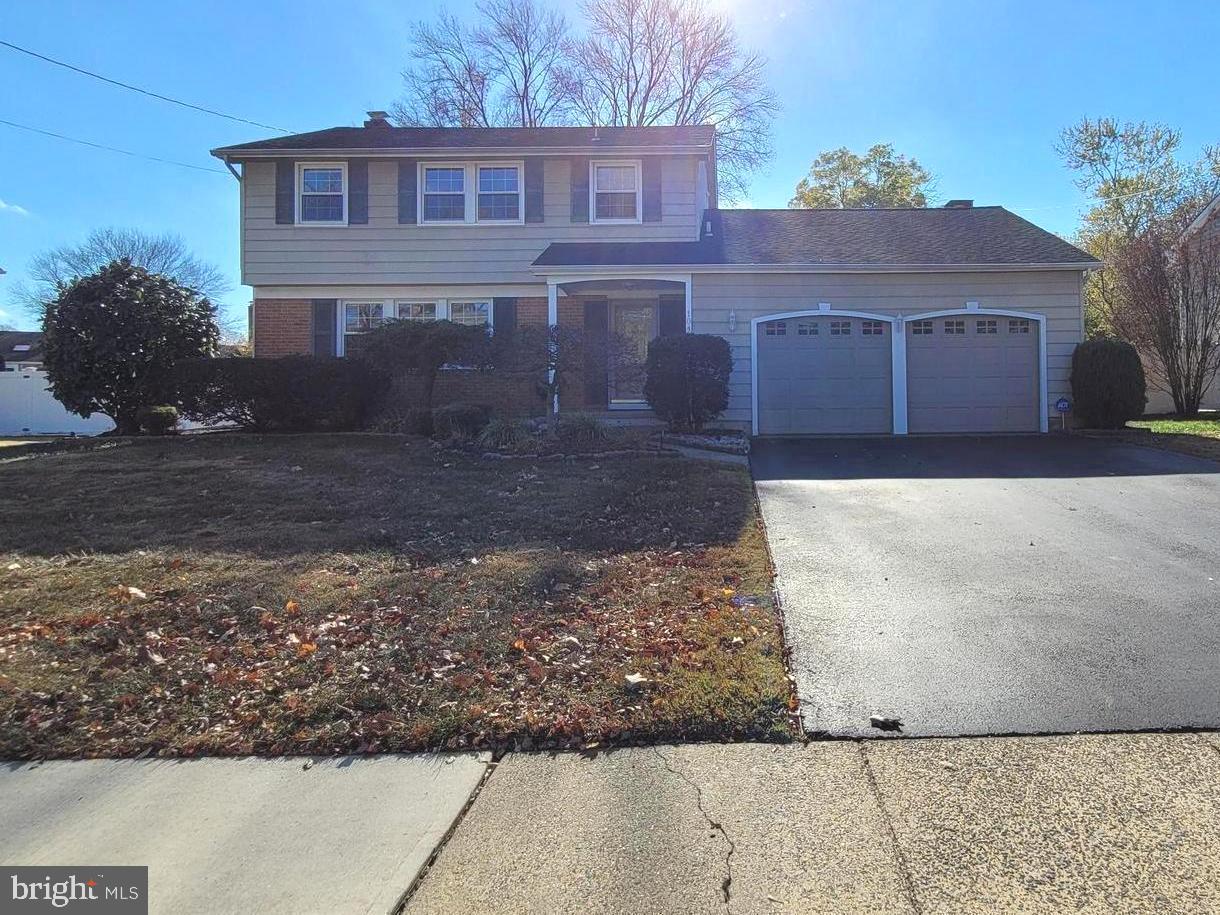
[824,375]
[972,373]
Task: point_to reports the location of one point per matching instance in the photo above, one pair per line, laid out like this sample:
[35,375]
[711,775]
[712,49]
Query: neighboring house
[960,319]
[27,407]
[1204,228]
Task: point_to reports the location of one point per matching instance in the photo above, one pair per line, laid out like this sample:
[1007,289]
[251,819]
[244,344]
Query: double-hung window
[476,312]
[416,311]
[444,193]
[499,193]
[615,188]
[465,193]
[321,193]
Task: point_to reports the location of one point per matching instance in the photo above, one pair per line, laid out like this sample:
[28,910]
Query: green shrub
[1107,383]
[461,421]
[289,394]
[159,420]
[580,430]
[687,381]
[505,435]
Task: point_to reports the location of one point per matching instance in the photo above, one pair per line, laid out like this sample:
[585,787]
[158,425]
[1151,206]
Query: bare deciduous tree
[507,72]
[166,254]
[640,63]
[1168,305]
[671,62]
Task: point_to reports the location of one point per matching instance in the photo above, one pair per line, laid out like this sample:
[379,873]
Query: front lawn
[231,594]
[1200,437]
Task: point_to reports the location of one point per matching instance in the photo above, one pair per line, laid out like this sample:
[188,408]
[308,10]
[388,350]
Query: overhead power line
[156,95]
[125,152]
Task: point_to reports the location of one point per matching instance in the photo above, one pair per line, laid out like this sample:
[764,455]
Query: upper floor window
[466,193]
[322,192]
[445,193]
[499,193]
[615,187]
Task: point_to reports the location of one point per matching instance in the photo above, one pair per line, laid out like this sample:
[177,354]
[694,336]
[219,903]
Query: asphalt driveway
[996,585]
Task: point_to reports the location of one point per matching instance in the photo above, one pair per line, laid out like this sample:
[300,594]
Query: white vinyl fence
[27,408]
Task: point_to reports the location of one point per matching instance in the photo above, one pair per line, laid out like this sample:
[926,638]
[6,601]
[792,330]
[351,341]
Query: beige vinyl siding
[386,252]
[1055,294]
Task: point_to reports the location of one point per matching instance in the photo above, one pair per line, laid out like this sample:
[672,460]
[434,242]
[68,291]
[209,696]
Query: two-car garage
[836,373]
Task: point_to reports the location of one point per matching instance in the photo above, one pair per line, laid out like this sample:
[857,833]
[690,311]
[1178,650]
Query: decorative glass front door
[634,325]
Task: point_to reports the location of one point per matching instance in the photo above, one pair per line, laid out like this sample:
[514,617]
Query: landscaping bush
[687,381]
[159,420]
[1107,383]
[461,421]
[509,435]
[580,430]
[289,394]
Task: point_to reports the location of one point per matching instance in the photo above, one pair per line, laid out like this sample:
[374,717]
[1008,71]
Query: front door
[633,326]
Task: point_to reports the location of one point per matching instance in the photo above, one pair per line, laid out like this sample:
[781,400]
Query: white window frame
[470,192]
[639,192]
[398,303]
[443,306]
[343,306]
[474,300]
[300,192]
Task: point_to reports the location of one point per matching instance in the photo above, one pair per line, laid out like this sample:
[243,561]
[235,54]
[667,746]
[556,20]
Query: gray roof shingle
[392,138]
[966,236]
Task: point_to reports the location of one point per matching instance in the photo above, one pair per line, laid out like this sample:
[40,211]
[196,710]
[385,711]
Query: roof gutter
[550,270]
[227,154]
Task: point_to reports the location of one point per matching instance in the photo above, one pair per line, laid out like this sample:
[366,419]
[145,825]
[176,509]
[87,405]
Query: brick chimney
[378,119]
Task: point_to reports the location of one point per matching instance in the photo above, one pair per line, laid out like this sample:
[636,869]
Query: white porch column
[690,320]
[552,320]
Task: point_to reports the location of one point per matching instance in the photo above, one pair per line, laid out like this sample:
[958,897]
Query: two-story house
[960,318]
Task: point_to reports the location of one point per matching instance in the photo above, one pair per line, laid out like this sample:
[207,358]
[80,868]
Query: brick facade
[282,327]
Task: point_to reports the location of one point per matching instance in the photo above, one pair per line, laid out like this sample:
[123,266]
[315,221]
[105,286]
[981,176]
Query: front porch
[614,319]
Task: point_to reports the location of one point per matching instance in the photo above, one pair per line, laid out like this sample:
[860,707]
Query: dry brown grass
[322,594]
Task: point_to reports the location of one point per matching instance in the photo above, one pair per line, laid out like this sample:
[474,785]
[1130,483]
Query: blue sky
[976,91]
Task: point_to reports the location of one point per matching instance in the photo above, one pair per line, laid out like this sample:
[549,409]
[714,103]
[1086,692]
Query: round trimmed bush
[462,421]
[1107,383]
[687,381]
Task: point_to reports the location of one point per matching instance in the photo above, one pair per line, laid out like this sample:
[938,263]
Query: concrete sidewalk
[224,836]
[1121,823]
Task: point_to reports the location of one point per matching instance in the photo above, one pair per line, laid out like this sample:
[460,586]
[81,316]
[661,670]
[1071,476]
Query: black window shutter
[357,192]
[533,189]
[596,340]
[324,327]
[504,315]
[673,315]
[285,192]
[580,189]
[651,187]
[407,179]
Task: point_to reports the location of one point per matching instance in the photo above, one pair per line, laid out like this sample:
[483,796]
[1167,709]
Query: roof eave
[228,153]
[551,270]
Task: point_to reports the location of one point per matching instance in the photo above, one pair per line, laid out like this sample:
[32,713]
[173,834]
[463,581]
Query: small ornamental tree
[112,339]
[687,381]
[1108,383]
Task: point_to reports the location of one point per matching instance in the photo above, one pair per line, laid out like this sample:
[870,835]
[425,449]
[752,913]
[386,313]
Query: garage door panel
[822,378]
[984,378]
